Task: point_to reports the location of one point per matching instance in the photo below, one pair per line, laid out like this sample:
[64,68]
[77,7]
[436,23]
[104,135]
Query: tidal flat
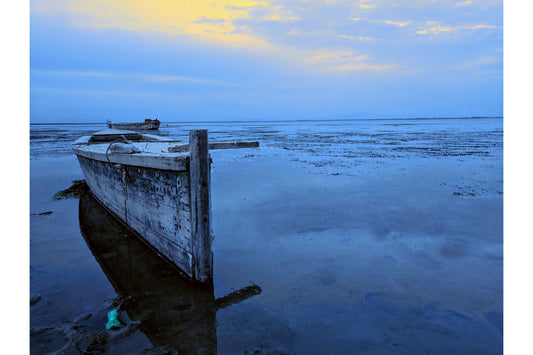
[332,237]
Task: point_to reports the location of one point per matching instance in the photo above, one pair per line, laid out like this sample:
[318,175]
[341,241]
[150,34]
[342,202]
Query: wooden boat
[159,188]
[148,124]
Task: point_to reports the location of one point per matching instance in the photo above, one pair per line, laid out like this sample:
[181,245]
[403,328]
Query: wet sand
[345,237]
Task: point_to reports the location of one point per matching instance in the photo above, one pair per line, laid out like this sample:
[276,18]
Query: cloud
[477,27]
[363,5]
[488,59]
[345,60]
[92,92]
[147,77]
[485,60]
[276,13]
[435,28]
[397,23]
[278,17]
[358,38]
[462,4]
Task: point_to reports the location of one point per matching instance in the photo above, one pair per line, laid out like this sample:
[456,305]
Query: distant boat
[158,187]
[148,124]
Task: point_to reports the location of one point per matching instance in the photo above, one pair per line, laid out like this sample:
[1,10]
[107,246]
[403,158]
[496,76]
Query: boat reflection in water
[173,311]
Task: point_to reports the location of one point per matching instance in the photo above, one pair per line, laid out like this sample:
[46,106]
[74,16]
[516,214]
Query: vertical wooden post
[200,205]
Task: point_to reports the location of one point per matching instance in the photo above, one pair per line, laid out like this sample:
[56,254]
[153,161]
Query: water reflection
[173,311]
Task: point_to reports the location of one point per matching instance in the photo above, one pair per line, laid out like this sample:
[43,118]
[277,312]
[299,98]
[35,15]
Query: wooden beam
[200,205]
[215,145]
[168,162]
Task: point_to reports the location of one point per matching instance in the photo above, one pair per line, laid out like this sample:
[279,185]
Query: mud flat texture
[333,237]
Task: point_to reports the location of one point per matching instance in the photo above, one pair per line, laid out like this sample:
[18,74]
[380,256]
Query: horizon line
[279,120]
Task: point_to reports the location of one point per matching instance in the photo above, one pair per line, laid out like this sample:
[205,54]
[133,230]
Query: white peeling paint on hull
[156,203]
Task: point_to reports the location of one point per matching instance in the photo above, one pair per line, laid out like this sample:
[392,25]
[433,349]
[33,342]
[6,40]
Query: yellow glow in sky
[212,20]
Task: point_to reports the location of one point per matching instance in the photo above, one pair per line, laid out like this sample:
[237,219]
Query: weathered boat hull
[153,195]
[154,203]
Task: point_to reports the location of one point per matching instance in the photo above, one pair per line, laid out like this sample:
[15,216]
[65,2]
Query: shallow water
[365,236]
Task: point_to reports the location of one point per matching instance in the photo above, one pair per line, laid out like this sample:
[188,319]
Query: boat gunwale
[163,160]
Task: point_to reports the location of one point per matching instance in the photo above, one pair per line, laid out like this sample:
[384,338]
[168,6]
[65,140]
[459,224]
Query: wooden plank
[200,205]
[165,162]
[215,145]
[98,138]
[146,138]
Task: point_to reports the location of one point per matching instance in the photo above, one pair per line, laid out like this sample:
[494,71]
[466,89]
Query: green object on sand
[113,321]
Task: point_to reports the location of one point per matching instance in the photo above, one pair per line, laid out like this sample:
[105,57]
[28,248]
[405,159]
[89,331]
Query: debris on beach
[35,299]
[237,296]
[47,213]
[78,187]
[113,322]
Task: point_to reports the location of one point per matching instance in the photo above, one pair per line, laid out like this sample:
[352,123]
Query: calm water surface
[333,237]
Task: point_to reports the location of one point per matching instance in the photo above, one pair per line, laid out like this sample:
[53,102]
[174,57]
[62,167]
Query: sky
[126,60]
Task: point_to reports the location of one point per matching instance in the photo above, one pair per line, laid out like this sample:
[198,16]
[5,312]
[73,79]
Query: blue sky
[92,60]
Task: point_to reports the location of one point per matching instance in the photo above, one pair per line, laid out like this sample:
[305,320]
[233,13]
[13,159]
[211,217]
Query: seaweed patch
[78,187]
